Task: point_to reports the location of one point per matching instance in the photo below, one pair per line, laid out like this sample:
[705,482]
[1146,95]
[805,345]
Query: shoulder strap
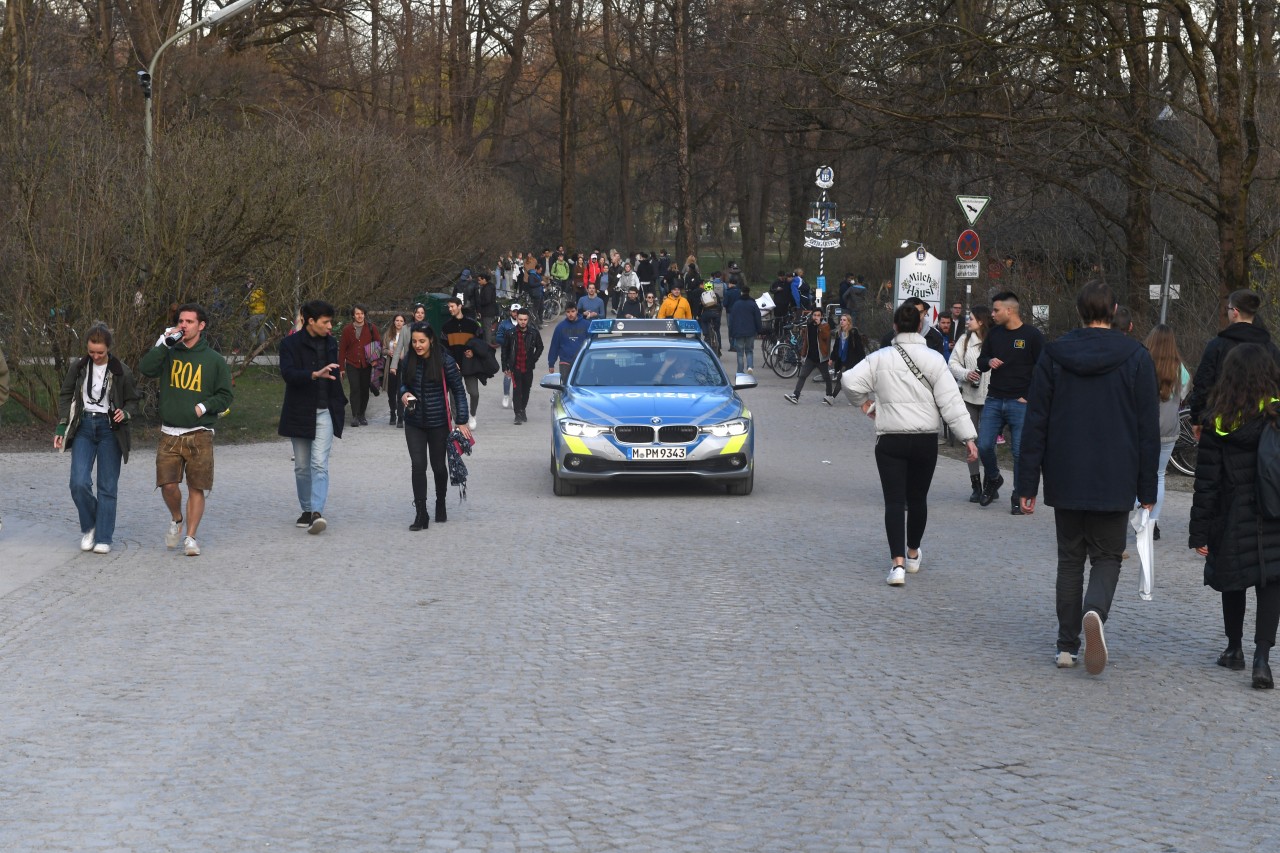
[911,365]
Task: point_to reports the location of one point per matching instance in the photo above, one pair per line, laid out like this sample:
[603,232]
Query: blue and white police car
[647,398]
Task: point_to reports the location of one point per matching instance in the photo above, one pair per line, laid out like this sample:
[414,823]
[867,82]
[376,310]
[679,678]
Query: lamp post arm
[220,15]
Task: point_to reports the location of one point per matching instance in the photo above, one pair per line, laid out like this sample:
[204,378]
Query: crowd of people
[1093,415]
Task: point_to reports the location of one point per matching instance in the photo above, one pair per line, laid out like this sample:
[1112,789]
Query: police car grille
[677,434]
[633,434]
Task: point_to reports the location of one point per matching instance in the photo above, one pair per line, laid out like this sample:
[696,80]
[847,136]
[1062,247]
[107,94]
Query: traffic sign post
[822,230]
[973,205]
[968,246]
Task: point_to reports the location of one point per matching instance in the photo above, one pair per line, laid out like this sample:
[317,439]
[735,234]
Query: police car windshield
[646,367]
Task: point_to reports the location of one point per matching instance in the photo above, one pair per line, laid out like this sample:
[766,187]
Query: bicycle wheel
[1183,458]
[766,352]
[786,361]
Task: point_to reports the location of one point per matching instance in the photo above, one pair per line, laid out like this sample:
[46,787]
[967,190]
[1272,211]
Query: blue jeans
[745,347]
[94,440]
[995,414]
[311,464]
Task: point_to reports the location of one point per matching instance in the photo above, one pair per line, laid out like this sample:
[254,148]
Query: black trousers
[806,370]
[358,382]
[520,385]
[1264,631]
[427,445]
[906,462]
[1100,537]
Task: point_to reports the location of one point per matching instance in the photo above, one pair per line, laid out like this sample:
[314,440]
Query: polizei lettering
[186,376]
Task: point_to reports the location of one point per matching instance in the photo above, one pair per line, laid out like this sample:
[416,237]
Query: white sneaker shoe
[1065,660]
[173,535]
[191,547]
[471,423]
[913,563]
[102,548]
[1095,644]
[897,576]
[751,371]
[86,541]
[506,401]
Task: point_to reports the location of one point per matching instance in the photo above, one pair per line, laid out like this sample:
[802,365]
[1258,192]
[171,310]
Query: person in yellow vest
[675,306]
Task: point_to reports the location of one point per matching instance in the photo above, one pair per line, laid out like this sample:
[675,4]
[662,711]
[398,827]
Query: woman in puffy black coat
[1240,547]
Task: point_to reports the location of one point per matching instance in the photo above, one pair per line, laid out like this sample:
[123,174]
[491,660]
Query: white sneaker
[191,547]
[1095,644]
[829,400]
[913,563]
[86,541]
[471,423]
[897,576]
[173,535]
[751,371]
[1065,660]
[506,401]
[102,548]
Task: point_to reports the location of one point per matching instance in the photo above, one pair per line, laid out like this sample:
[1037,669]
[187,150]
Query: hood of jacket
[1245,333]
[1092,351]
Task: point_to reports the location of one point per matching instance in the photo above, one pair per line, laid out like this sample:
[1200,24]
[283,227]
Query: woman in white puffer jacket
[907,388]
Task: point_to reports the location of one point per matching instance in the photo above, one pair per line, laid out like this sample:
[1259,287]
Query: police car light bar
[615,326]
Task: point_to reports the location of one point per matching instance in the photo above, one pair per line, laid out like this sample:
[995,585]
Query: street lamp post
[146,78]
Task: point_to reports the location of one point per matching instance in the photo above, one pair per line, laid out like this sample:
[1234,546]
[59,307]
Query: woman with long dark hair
[98,400]
[973,383]
[1240,547]
[390,346]
[431,390]
[1172,380]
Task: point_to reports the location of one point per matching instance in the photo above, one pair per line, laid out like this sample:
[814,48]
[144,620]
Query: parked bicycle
[1183,459]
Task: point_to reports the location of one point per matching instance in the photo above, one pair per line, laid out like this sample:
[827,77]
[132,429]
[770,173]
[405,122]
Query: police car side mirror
[552,381]
[744,380]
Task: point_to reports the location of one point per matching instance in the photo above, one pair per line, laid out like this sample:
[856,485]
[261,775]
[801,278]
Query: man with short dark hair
[957,322]
[591,306]
[1242,306]
[194,388]
[1093,427]
[566,341]
[632,308]
[1009,352]
[520,351]
[313,409]
[458,331]
[815,349]
[487,301]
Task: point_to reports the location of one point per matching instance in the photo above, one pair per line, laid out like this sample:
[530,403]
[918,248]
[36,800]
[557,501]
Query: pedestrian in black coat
[1240,547]
[1242,308]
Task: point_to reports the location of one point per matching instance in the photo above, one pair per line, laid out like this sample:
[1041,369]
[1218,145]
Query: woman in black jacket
[96,406]
[425,375]
[1240,547]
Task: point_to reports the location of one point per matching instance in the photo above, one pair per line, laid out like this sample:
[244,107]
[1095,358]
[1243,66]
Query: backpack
[709,299]
[1268,477]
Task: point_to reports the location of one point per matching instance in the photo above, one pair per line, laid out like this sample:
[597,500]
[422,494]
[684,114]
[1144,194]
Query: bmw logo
[655,421]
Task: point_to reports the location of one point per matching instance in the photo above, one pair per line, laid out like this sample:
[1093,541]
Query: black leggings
[906,462]
[427,444]
[1264,632]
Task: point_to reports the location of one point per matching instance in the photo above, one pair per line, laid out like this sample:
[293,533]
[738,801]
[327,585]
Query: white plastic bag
[1143,527]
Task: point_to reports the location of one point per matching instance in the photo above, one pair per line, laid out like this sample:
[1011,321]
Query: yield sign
[973,205]
[968,245]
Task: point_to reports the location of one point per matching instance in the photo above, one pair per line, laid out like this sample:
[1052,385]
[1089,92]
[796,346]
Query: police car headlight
[737,426]
[579,428]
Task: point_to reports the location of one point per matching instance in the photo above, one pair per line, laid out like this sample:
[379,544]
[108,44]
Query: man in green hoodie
[195,387]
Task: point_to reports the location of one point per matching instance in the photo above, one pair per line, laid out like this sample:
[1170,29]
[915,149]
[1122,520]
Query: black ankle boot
[1232,657]
[991,490]
[1262,670]
[976,482]
[441,515]
[420,519]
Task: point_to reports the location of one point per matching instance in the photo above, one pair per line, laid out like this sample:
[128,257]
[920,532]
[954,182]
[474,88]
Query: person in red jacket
[353,355]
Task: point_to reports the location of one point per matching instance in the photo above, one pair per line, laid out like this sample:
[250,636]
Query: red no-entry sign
[968,245]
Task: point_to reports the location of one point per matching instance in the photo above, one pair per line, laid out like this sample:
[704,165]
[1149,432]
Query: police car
[647,398]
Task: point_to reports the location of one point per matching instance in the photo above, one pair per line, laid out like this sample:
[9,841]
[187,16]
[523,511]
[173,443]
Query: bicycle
[553,303]
[1183,458]
[784,356]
